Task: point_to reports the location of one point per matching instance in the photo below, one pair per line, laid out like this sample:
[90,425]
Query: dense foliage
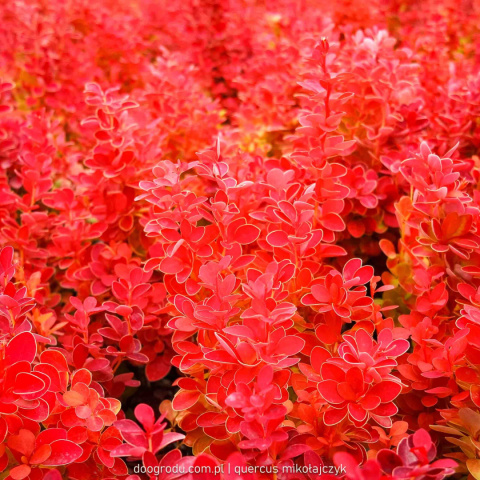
[268,212]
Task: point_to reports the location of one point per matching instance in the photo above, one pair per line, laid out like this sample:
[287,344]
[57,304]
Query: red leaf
[21,347]
[386,390]
[321,293]
[334,222]
[333,416]
[328,390]
[290,345]
[23,443]
[357,412]
[171,265]
[157,369]
[184,400]
[356,228]
[144,414]
[365,274]
[64,452]
[27,383]
[40,455]
[169,438]
[20,472]
[246,234]
[277,239]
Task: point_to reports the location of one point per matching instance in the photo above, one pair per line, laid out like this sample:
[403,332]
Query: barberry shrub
[239,240]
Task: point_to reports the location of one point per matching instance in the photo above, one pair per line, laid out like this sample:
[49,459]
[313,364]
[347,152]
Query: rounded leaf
[64,452]
[246,234]
[277,239]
